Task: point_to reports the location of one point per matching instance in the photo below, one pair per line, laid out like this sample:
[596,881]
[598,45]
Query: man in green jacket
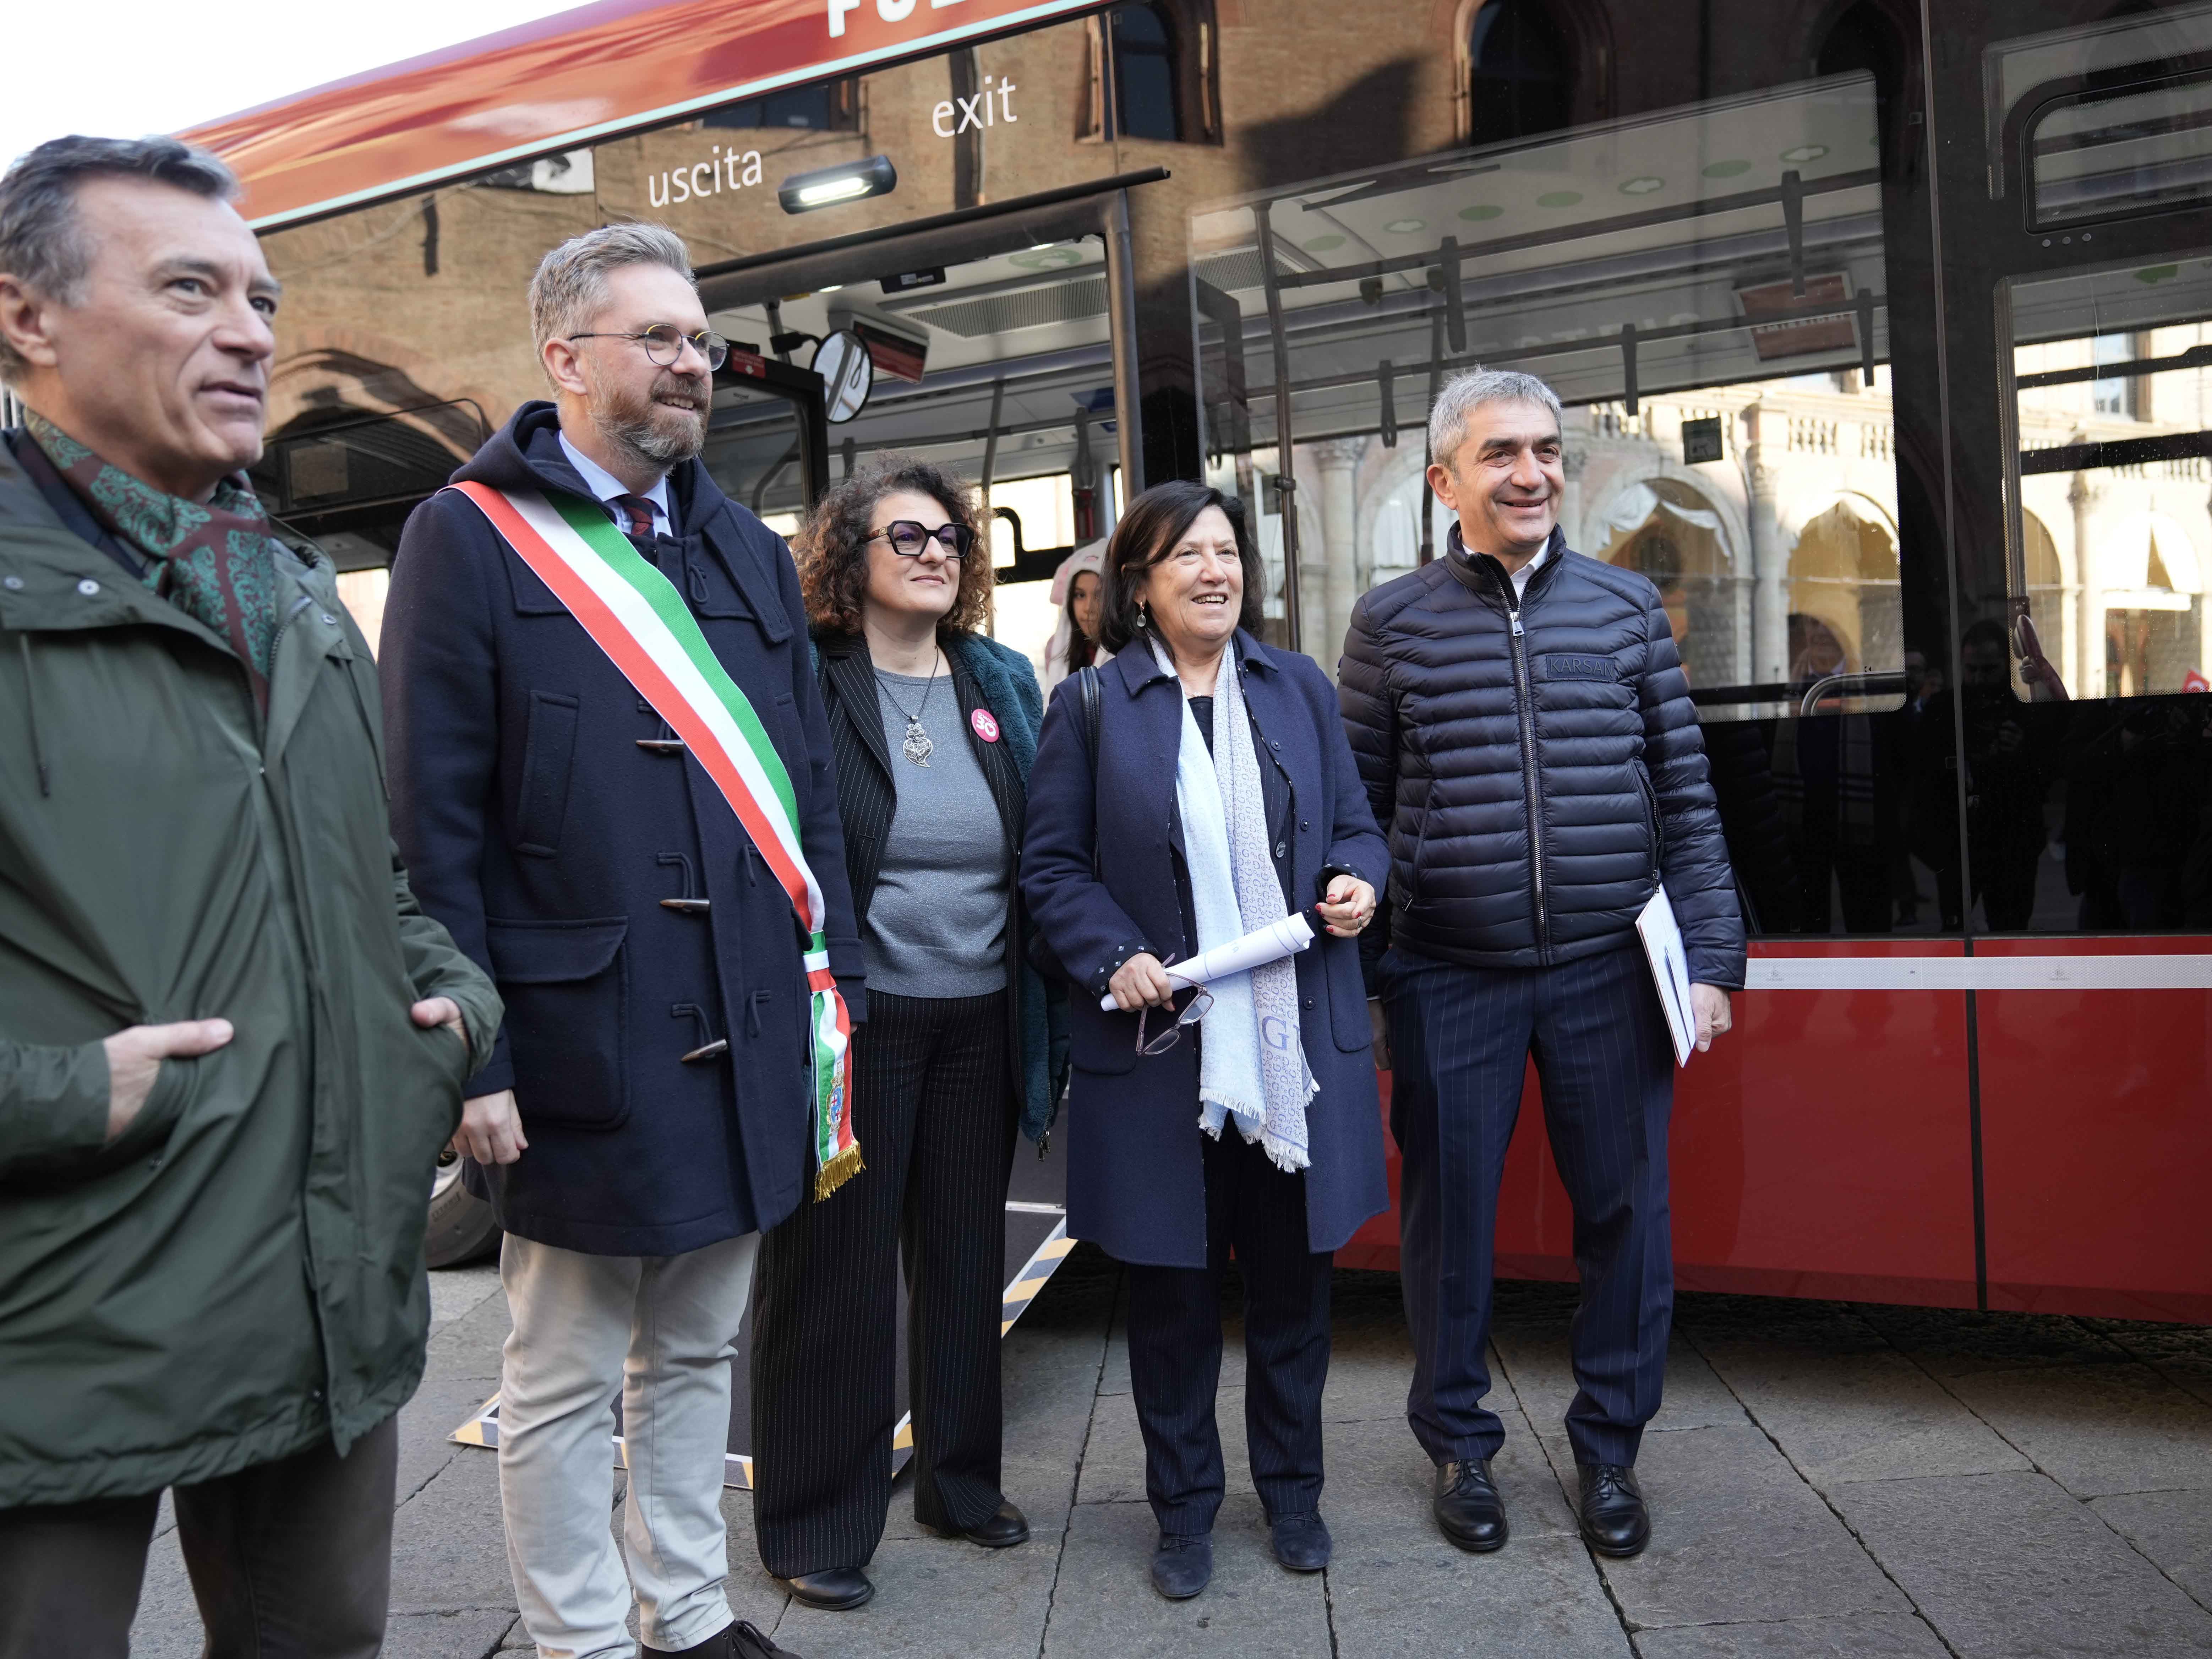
[230,1044]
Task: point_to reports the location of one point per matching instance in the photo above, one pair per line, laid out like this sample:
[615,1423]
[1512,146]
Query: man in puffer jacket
[1523,725]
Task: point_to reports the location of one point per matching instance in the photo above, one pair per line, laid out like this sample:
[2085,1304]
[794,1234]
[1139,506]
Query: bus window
[2108,534]
[1705,290]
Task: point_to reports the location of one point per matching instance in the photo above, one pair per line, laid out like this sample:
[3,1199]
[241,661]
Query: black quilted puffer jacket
[1537,764]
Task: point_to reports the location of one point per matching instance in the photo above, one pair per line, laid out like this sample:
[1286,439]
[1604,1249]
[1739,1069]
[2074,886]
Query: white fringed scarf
[1252,1063]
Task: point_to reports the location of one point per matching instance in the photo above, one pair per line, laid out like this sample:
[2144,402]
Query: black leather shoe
[833,1591]
[737,1641]
[1181,1566]
[1008,1527]
[1467,1508]
[1613,1519]
[1301,1542]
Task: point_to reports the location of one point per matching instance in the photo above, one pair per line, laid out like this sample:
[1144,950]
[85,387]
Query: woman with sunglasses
[933,725]
[1214,795]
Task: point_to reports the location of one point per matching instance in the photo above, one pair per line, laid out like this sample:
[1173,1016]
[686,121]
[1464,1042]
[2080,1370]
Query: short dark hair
[832,544]
[1147,533]
[42,240]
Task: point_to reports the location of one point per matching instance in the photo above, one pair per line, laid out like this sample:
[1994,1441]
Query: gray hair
[42,240]
[571,283]
[1465,393]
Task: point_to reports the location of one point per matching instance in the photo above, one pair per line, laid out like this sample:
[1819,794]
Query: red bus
[1884,337]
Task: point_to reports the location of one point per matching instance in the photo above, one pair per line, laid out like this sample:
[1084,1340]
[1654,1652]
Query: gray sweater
[937,924]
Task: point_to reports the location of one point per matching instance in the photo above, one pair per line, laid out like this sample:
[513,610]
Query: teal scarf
[214,561]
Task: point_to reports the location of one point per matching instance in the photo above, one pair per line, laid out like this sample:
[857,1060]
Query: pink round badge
[987,727]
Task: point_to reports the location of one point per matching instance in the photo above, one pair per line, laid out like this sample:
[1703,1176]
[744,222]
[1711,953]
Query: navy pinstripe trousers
[933,1110]
[1461,1039]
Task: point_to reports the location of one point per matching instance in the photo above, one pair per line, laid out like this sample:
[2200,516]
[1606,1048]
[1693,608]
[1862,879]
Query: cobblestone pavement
[1825,1479]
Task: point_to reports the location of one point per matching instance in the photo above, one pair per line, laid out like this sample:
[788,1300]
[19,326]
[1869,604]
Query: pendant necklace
[917,747]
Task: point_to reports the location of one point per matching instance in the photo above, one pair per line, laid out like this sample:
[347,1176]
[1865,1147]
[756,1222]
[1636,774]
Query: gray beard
[639,433]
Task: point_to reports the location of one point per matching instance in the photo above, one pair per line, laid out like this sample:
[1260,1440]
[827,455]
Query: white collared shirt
[606,486]
[1521,577]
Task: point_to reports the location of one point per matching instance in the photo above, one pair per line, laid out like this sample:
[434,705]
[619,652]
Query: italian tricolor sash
[635,614]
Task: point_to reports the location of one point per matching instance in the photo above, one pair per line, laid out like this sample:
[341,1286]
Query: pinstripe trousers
[1461,1039]
[934,1112]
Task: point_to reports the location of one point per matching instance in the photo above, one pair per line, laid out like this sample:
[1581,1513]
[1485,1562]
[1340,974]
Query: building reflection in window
[1519,81]
[1146,105]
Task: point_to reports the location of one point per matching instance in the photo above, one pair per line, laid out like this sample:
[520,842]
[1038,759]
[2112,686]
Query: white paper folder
[1670,971]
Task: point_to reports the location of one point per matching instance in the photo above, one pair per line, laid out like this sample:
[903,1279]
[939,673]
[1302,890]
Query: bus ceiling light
[850,181]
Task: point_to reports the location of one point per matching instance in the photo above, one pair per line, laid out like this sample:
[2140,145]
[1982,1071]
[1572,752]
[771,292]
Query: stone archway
[1667,530]
[1843,576]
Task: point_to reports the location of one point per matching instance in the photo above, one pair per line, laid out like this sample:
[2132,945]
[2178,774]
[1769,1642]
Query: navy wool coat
[541,832]
[1135,1181]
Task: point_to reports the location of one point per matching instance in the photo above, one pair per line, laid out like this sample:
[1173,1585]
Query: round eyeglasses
[664,343]
[909,538]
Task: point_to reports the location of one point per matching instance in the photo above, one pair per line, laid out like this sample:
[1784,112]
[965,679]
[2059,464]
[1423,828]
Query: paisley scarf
[214,561]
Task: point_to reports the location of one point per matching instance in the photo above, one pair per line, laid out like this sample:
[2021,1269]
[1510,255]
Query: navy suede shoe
[1301,1542]
[1181,1566]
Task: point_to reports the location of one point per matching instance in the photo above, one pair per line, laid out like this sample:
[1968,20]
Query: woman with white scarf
[1214,794]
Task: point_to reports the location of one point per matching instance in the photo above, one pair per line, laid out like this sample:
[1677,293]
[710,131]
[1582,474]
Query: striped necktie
[635,515]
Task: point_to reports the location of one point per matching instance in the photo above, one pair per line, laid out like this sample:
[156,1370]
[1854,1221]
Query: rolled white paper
[1270,945]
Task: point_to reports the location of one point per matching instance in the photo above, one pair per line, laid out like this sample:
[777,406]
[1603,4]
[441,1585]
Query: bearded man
[667,940]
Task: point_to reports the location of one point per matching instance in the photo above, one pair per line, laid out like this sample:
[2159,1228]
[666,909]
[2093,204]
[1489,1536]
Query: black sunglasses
[908,538]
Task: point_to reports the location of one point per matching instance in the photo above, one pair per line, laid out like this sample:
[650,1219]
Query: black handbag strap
[1087,688]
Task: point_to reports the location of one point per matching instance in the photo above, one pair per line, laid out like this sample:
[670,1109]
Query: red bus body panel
[1825,1148]
[2097,1141]
[563,81]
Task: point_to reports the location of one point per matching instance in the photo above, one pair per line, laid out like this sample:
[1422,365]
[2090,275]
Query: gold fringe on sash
[839,1170]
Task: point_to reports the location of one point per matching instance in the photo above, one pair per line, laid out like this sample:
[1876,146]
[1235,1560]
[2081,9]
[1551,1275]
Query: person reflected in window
[2007,780]
[1244,1116]
[2136,854]
[1836,786]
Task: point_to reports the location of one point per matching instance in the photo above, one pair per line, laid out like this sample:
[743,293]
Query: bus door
[996,346]
[2079,271]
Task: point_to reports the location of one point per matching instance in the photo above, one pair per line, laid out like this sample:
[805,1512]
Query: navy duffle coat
[539,826]
[1136,1182]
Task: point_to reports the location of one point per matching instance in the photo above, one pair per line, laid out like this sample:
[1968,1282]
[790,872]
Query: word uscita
[740,167]
[995,103]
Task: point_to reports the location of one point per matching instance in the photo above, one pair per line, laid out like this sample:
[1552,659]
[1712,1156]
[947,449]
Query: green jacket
[242,1273]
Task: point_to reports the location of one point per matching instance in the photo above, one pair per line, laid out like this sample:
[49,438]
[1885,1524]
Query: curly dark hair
[832,544]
